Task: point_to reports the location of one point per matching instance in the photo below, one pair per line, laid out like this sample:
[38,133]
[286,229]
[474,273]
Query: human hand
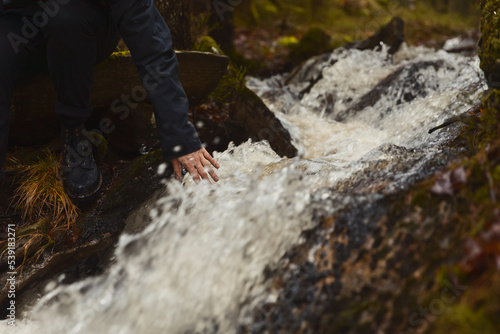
[196,163]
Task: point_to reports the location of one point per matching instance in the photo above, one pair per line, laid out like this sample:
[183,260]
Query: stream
[359,119]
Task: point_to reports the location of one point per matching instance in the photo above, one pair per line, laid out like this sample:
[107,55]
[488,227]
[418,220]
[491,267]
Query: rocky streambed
[338,239]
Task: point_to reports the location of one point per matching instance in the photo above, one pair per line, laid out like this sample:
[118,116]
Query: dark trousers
[67,45]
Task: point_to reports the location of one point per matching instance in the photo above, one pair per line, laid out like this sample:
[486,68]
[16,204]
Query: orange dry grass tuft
[41,194]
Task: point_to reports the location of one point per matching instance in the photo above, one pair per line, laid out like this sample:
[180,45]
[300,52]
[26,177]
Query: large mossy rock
[116,81]
[489,44]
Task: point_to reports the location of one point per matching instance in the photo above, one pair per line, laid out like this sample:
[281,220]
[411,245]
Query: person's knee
[63,17]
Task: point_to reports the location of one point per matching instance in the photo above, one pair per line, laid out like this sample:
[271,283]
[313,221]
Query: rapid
[199,266]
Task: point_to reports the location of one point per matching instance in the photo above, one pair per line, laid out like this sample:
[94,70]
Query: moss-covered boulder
[208,44]
[117,87]
[489,44]
[314,42]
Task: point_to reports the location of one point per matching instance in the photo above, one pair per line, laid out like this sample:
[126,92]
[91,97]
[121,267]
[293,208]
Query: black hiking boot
[81,176]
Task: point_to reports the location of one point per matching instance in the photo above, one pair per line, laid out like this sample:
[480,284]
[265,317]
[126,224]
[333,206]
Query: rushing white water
[202,259]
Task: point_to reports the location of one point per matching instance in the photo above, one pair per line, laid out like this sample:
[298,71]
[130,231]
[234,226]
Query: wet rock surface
[389,237]
[126,188]
[247,118]
[262,124]
[367,265]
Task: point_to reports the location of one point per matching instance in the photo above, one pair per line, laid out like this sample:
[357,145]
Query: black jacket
[17,4]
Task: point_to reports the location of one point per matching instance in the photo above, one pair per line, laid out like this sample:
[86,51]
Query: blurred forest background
[265,35]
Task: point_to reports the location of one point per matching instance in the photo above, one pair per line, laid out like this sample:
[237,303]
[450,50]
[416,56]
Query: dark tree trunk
[177,15]
[201,6]
[221,21]
[223,33]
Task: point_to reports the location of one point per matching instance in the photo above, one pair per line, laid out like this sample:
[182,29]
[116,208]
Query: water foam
[202,259]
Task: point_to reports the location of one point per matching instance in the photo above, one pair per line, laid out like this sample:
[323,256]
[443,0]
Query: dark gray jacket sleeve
[148,38]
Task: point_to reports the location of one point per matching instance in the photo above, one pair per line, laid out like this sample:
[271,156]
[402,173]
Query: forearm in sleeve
[148,38]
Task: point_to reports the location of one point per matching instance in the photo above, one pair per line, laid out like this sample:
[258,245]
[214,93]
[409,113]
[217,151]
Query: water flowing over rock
[409,81]
[285,244]
[99,225]
[461,44]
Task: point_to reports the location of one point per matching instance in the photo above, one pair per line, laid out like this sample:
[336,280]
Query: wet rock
[401,86]
[392,35]
[54,264]
[367,272]
[260,123]
[216,134]
[100,224]
[248,118]
[470,118]
[305,76]
[310,70]
[130,188]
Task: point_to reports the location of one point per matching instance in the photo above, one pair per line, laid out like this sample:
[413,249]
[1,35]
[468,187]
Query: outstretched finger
[207,167]
[202,172]
[207,156]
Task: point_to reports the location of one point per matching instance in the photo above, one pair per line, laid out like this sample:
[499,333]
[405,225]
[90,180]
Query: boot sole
[88,196]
